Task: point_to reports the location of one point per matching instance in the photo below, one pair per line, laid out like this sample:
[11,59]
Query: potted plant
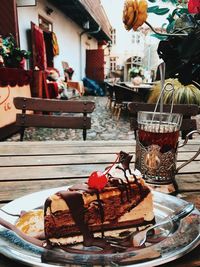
[136,75]
[12,56]
[182,94]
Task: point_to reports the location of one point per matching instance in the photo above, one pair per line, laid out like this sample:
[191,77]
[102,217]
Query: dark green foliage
[180,53]
[158,11]
[12,55]
[158,36]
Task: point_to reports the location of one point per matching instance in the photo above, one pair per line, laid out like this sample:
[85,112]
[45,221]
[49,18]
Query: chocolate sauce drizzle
[74,199]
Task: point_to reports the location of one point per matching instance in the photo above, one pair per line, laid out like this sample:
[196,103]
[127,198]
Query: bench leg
[22,130]
[84,134]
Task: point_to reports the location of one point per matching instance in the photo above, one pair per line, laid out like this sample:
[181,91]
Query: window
[113,36]
[113,63]
[136,60]
[135,38]
[23,3]
[45,25]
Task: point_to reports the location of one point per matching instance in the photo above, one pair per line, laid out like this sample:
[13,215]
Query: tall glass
[156,148]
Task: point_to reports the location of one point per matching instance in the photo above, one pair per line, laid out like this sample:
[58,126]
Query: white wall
[67,32]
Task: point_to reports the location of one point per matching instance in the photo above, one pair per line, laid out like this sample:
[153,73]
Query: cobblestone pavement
[104,127]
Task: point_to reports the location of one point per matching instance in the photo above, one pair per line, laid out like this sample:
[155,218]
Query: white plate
[186,238]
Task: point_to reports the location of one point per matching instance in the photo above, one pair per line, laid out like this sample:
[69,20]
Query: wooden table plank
[68,171]
[193,197]
[37,160]
[192,259]
[56,160]
[20,188]
[76,147]
[48,172]
[63,150]
[188,182]
[11,191]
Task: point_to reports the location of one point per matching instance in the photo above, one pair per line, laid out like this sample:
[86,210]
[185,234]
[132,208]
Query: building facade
[74,28]
[132,48]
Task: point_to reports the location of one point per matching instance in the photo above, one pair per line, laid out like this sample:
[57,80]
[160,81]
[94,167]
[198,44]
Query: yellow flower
[134,13]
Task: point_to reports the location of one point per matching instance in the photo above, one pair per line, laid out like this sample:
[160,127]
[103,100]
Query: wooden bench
[38,112]
[188,124]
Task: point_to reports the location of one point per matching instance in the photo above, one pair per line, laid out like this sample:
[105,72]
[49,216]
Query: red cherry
[97,180]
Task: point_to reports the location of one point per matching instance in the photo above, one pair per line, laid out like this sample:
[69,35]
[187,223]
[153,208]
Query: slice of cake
[109,204]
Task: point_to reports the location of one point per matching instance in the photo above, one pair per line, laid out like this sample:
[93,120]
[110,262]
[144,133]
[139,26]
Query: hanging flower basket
[13,56]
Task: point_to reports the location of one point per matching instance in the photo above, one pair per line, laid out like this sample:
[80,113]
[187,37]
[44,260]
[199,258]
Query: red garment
[39,51]
[53,89]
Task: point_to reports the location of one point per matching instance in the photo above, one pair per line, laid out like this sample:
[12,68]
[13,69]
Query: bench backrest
[188,124]
[38,112]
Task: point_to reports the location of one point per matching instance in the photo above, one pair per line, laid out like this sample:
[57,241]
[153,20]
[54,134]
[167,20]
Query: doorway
[47,28]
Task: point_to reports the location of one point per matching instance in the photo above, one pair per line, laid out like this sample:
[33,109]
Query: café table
[138,87]
[76,85]
[28,167]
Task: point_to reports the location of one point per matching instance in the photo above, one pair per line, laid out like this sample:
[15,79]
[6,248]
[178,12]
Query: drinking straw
[160,98]
[162,83]
[161,95]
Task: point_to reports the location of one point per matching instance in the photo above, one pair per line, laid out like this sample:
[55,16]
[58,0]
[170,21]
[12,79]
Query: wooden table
[137,87]
[27,167]
[77,86]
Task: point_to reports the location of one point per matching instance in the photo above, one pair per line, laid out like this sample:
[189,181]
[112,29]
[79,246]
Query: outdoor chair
[123,96]
[188,123]
[111,95]
[49,113]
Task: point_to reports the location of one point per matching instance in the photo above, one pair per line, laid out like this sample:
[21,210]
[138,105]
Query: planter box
[13,82]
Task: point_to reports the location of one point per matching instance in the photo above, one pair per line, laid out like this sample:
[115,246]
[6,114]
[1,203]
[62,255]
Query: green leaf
[162,11]
[170,18]
[158,36]
[18,58]
[152,1]
[170,26]
[152,9]
[184,10]
[174,12]
[180,11]
[163,25]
